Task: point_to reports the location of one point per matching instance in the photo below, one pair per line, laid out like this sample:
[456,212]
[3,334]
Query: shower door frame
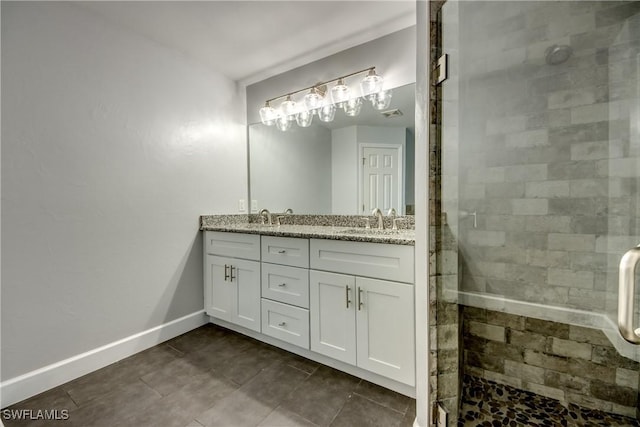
[422,164]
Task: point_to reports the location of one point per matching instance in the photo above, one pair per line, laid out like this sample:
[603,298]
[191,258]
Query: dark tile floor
[215,377]
[486,403]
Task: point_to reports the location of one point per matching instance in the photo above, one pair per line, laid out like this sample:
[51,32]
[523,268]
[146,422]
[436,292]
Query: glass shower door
[537,185]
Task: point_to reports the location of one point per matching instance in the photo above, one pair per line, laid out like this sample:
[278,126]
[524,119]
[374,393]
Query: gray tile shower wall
[568,363]
[546,157]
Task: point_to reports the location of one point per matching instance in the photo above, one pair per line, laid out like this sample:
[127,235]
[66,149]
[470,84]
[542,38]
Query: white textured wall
[111,148]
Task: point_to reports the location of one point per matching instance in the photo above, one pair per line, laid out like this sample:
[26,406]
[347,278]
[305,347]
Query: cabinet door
[219,292]
[246,281]
[332,317]
[385,323]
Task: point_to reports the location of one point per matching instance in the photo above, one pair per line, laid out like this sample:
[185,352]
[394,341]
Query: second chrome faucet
[378,214]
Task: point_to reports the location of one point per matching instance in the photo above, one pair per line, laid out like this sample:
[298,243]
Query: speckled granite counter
[347,230]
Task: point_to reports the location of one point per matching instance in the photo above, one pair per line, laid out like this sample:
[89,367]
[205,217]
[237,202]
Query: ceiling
[249,41]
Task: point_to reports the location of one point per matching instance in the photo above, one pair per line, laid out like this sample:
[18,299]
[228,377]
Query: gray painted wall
[111,149]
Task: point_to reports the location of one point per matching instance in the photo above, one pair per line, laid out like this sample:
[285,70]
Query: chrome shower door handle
[626,295]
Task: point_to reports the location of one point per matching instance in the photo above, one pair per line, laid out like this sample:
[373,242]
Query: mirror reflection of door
[381,178]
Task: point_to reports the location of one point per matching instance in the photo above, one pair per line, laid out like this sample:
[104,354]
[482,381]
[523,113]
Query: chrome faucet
[262,213]
[288,211]
[378,214]
[392,213]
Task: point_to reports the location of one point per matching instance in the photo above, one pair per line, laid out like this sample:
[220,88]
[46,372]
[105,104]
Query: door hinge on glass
[440,72]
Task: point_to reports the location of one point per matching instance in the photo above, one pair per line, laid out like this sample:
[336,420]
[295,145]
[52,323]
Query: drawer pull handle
[232,268]
[282,285]
[282,324]
[347,289]
[282,251]
[360,304]
[226,272]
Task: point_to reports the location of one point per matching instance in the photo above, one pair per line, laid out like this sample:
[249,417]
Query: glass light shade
[353,106]
[268,115]
[327,112]
[304,118]
[313,100]
[283,123]
[382,100]
[371,84]
[340,93]
[288,108]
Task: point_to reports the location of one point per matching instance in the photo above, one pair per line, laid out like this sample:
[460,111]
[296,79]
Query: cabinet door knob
[360,303]
[282,285]
[226,272]
[282,324]
[282,251]
[232,277]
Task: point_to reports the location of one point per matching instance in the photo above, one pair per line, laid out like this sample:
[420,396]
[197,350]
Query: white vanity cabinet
[232,278]
[285,289]
[360,320]
[349,305]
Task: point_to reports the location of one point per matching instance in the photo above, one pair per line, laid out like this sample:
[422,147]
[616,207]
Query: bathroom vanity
[342,296]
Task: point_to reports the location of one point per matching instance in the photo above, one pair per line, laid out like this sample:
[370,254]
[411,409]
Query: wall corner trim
[24,386]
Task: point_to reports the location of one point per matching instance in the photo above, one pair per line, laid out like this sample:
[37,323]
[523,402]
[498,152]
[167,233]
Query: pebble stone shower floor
[486,403]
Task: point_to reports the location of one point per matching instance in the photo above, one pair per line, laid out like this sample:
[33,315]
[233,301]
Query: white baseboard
[24,386]
[396,386]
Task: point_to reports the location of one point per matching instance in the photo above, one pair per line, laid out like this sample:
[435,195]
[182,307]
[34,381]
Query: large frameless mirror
[348,166]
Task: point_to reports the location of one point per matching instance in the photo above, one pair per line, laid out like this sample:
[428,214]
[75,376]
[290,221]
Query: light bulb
[283,123]
[327,112]
[288,108]
[313,100]
[353,106]
[304,118]
[382,100]
[340,93]
[268,114]
[371,84]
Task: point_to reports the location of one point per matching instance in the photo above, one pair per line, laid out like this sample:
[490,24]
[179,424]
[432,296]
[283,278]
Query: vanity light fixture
[316,101]
[371,84]
[268,114]
[327,112]
[313,100]
[304,118]
[382,99]
[283,123]
[340,93]
[288,108]
[353,106]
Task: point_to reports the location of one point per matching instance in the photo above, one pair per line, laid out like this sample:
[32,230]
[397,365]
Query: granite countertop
[347,233]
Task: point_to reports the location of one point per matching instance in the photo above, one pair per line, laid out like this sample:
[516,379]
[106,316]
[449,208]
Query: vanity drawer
[377,260]
[286,251]
[234,245]
[285,322]
[286,284]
